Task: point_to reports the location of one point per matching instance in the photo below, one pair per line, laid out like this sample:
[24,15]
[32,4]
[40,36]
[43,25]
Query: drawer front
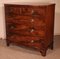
[25,39]
[34,42]
[37,33]
[25,31]
[33,21]
[38,12]
[19,19]
[14,10]
[38,24]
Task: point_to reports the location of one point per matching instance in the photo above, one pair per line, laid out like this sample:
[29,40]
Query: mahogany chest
[30,25]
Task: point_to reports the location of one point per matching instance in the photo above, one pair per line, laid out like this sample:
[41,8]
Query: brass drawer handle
[32,11]
[12,27]
[32,30]
[32,41]
[32,20]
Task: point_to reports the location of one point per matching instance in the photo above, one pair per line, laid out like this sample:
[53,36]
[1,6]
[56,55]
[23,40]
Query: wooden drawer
[17,38]
[14,10]
[37,46]
[27,32]
[19,19]
[26,29]
[25,39]
[33,42]
[26,20]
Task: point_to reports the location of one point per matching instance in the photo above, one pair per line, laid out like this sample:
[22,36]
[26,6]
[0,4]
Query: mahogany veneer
[30,25]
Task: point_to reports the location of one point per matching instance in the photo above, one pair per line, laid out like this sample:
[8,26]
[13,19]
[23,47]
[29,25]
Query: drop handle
[32,30]
[32,20]
[33,12]
[32,41]
[12,26]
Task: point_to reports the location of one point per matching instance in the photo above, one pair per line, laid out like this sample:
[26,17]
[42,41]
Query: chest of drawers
[30,25]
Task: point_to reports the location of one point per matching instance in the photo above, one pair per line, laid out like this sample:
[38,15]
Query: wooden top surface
[30,3]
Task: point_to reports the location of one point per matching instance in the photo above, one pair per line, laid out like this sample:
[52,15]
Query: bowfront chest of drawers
[30,25]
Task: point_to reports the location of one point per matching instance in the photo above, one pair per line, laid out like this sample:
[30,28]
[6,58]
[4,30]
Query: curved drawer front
[19,19]
[27,32]
[36,19]
[25,39]
[39,24]
[14,10]
[34,42]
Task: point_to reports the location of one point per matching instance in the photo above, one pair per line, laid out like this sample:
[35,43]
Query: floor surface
[15,52]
